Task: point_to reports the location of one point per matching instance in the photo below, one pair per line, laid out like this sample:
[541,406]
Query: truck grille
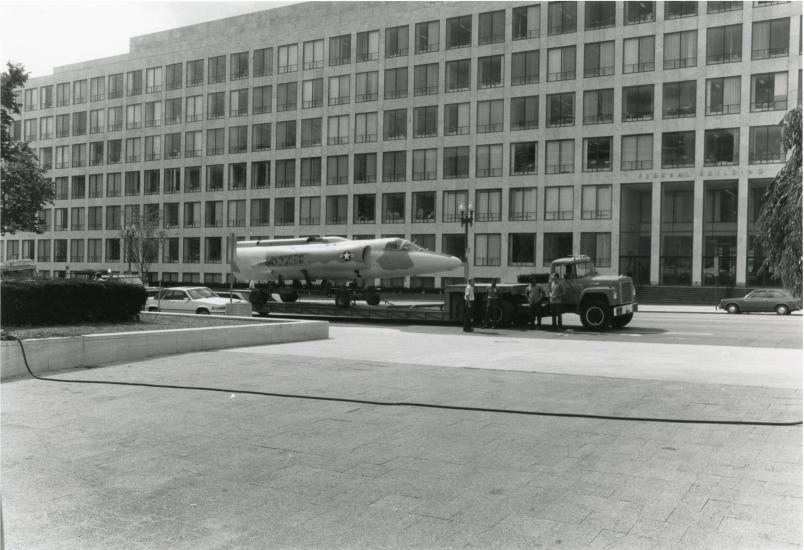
[628,291]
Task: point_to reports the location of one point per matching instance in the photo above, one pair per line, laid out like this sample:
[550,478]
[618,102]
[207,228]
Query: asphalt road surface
[755,330]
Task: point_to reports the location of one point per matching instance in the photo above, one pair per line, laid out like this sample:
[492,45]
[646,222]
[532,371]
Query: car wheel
[732,308]
[596,315]
[153,308]
[782,309]
[202,311]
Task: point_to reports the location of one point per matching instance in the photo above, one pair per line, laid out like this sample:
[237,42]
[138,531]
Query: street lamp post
[129,232]
[467,217]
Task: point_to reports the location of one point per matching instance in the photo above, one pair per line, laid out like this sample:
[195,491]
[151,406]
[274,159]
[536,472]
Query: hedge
[64,302]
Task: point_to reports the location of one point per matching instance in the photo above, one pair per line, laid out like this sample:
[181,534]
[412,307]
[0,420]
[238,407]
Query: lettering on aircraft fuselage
[287,259]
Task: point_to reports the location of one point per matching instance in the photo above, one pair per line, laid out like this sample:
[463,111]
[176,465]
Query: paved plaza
[99,467]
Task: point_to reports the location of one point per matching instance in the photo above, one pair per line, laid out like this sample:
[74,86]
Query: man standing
[535,299]
[492,306]
[556,294]
[468,304]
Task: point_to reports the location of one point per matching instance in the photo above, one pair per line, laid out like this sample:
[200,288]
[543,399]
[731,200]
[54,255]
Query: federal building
[642,134]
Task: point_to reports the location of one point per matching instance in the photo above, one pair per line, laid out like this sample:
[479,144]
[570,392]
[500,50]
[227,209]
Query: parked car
[769,300]
[188,299]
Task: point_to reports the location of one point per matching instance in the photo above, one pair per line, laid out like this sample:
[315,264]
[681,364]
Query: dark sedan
[780,301]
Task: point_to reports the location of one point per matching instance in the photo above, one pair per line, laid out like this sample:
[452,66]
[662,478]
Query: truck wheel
[595,315]
[342,299]
[288,296]
[373,299]
[620,322]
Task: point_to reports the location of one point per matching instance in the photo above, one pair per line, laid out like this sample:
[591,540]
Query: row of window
[724,45]
[721,148]
[769,92]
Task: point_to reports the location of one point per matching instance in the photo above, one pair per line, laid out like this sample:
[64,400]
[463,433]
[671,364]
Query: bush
[63,302]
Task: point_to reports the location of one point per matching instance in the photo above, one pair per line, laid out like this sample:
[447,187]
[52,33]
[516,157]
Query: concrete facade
[633,231]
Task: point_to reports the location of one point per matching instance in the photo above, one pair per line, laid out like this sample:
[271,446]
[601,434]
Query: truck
[602,301]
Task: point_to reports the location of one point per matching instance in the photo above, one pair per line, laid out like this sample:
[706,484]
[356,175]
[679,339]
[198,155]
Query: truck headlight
[614,294]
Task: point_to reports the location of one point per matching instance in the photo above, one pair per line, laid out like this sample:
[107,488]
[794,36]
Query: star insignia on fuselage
[346,256]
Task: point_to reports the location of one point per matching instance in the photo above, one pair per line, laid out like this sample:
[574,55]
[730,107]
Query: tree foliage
[24,190]
[780,218]
[142,239]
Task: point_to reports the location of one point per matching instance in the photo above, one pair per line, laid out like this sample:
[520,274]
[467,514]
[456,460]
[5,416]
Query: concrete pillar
[697,230]
[655,230]
[742,230]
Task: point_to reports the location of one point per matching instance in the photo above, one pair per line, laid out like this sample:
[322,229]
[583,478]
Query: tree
[142,240]
[24,190]
[780,216]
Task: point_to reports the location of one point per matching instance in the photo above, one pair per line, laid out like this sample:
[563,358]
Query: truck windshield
[584,269]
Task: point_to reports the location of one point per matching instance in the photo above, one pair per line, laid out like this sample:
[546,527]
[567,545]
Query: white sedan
[185,299]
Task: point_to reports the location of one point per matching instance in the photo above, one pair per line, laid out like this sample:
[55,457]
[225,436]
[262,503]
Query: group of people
[537,300]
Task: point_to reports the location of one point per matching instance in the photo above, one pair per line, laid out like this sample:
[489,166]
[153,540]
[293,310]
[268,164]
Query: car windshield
[199,293]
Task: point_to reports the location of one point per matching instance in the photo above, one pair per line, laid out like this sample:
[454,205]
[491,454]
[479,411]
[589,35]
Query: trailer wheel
[288,295]
[595,315]
[373,299]
[620,322]
[342,299]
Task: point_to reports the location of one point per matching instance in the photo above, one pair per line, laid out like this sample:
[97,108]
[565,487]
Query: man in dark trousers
[535,298]
[556,294]
[468,304]
[492,306]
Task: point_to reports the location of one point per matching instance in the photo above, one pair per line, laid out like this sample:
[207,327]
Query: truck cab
[600,300]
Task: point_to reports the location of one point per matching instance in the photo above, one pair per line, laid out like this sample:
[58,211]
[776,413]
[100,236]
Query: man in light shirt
[468,304]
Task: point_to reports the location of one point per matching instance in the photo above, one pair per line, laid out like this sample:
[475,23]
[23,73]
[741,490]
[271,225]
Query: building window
[285,173]
[770,39]
[311,132]
[286,96]
[313,54]
[768,92]
[312,93]
[216,69]
[396,83]
[394,166]
[192,214]
[260,212]
[194,108]
[561,17]
[459,32]
[560,157]
[215,177]
[720,7]
[561,64]
[679,99]
[368,46]
[678,149]
[456,163]
[237,176]
[722,147]
[487,249]
[153,80]
[365,168]
[524,112]
[598,106]
[261,174]
[340,50]
[133,83]
[337,207]
[724,44]
[679,9]
[172,178]
[395,124]
[491,27]
[637,151]
[63,92]
[46,94]
[489,116]
[561,110]
[132,184]
[522,204]
[286,134]
[765,145]
[453,200]
[424,164]
[556,245]
[192,179]
[113,184]
[79,124]
[260,137]
[597,154]
[599,15]
[523,158]
[638,103]
[427,36]
[287,59]
[215,141]
[216,105]
[596,202]
[152,183]
[456,119]
[425,79]
[457,75]
[424,209]
[365,127]
[488,161]
[213,249]
[522,249]
[680,49]
[173,111]
[639,12]
[113,218]
[309,210]
[79,93]
[365,208]
[597,246]
[393,208]
[723,96]
[236,213]
[526,22]
[338,170]
[598,59]
[238,102]
[396,41]
[195,72]
[366,86]
[133,149]
[558,203]
[310,171]
[425,121]
[173,76]
[263,62]
[173,146]
[638,55]
[338,130]
[339,90]
[192,144]
[524,68]
[488,205]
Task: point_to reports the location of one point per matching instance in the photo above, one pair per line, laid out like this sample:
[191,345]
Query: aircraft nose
[433,262]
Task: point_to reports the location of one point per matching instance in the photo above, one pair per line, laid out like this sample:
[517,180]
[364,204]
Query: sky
[43,35]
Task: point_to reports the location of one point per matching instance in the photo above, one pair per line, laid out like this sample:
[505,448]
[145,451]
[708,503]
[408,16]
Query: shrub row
[64,302]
